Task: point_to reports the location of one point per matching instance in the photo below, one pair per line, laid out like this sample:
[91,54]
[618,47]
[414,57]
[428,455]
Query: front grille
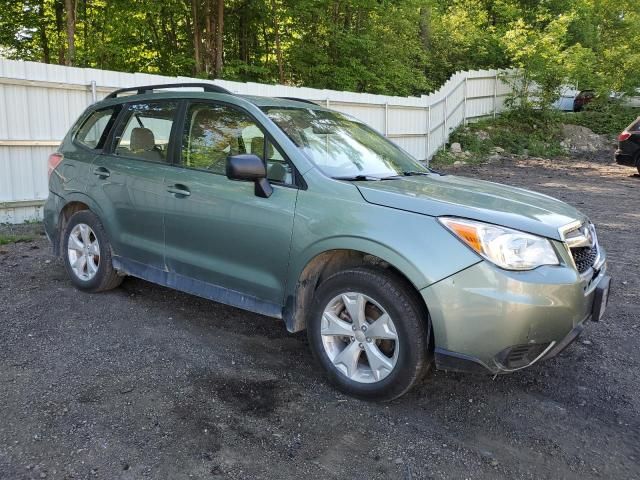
[584,257]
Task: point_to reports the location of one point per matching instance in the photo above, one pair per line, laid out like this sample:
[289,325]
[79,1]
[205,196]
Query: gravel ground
[146,382]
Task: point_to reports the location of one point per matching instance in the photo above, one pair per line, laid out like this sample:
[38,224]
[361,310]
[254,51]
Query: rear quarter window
[94,129]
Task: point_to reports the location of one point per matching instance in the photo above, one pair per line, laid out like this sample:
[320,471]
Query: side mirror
[249,168]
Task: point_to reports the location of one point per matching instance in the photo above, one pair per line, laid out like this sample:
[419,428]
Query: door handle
[178,190]
[101,172]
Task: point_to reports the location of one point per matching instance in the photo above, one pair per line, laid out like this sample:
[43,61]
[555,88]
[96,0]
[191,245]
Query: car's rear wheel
[87,254]
[370,333]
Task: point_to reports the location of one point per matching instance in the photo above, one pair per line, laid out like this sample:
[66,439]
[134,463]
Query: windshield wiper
[411,173]
[364,178]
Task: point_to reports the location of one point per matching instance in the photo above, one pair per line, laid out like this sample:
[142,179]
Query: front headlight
[507,248]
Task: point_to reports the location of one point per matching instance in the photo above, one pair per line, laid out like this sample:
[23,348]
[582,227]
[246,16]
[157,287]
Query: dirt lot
[145,382]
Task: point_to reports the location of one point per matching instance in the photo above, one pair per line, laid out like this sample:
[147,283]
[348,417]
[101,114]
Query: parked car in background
[572,100]
[628,100]
[289,209]
[628,152]
[583,98]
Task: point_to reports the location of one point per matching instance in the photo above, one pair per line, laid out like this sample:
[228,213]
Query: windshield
[341,146]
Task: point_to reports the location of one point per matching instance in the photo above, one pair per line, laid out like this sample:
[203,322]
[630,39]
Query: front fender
[416,245]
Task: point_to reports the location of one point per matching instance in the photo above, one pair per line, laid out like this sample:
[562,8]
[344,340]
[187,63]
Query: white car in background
[568,95]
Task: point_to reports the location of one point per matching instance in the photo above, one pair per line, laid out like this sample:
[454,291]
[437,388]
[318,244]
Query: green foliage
[518,131]
[401,47]
[7,239]
[604,117]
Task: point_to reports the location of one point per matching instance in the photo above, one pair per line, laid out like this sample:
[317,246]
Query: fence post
[495,95]
[426,156]
[464,118]
[327,104]
[386,119]
[94,94]
[445,137]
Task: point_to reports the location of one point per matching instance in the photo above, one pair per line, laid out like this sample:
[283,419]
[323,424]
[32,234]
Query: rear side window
[146,131]
[635,126]
[94,130]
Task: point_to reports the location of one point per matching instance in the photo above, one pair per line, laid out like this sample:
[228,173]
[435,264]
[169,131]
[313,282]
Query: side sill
[196,287]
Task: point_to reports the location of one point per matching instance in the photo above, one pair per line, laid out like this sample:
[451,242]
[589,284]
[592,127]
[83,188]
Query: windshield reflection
[340,146]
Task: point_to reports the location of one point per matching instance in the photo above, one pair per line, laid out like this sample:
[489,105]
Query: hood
[439,195]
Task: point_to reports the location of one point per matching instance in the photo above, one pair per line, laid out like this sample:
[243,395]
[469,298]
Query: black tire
[410,318]
[106,277]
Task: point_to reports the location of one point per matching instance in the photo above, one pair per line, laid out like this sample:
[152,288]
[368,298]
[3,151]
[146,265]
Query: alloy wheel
[359,337]
[83,251]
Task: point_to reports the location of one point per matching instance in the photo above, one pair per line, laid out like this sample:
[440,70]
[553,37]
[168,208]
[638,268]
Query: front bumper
[490,320]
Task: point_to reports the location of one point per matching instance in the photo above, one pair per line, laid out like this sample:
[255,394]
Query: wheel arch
[74,203]
[309,275]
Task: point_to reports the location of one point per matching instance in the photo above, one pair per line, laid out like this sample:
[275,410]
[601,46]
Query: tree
[401,47]
[70,7]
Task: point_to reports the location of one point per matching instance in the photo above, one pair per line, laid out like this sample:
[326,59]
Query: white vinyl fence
[39,102]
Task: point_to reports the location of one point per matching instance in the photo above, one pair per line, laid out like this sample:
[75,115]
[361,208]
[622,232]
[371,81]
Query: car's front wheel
[370,333]
[87,253]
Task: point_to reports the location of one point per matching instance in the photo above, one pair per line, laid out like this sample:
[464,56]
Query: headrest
[142,139]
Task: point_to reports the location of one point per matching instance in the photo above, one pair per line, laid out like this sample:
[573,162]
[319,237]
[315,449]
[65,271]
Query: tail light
[623,136]
[54,161]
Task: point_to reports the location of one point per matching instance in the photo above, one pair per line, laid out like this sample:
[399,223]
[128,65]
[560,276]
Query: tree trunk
[197,37]
[219,35]
[209,37]
[71,31]
[42,27]
[425,27]
[276,28]
[59,9]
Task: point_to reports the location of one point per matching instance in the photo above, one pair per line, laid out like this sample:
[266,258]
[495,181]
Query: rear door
[87,140]
[218,231]
[129,182]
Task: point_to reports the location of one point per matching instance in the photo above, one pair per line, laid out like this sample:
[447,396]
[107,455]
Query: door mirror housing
[249,168]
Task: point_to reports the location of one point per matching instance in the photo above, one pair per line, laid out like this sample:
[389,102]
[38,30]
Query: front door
[216,230]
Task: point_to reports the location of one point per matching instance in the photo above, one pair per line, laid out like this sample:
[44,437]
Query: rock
[497,150]
[459,162]
[525,153]
[494,462]
[581,139]
[398,461]
[455,148]
[482,135]
[586,342]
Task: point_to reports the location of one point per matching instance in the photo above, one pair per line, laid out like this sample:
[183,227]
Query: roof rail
[207,87]
[303,100]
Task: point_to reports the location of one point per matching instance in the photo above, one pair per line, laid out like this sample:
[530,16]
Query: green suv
[285,208]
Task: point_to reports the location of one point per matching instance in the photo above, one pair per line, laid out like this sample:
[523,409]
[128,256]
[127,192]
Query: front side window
[94,130]
[213,132]
[340,146]
[146,131]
